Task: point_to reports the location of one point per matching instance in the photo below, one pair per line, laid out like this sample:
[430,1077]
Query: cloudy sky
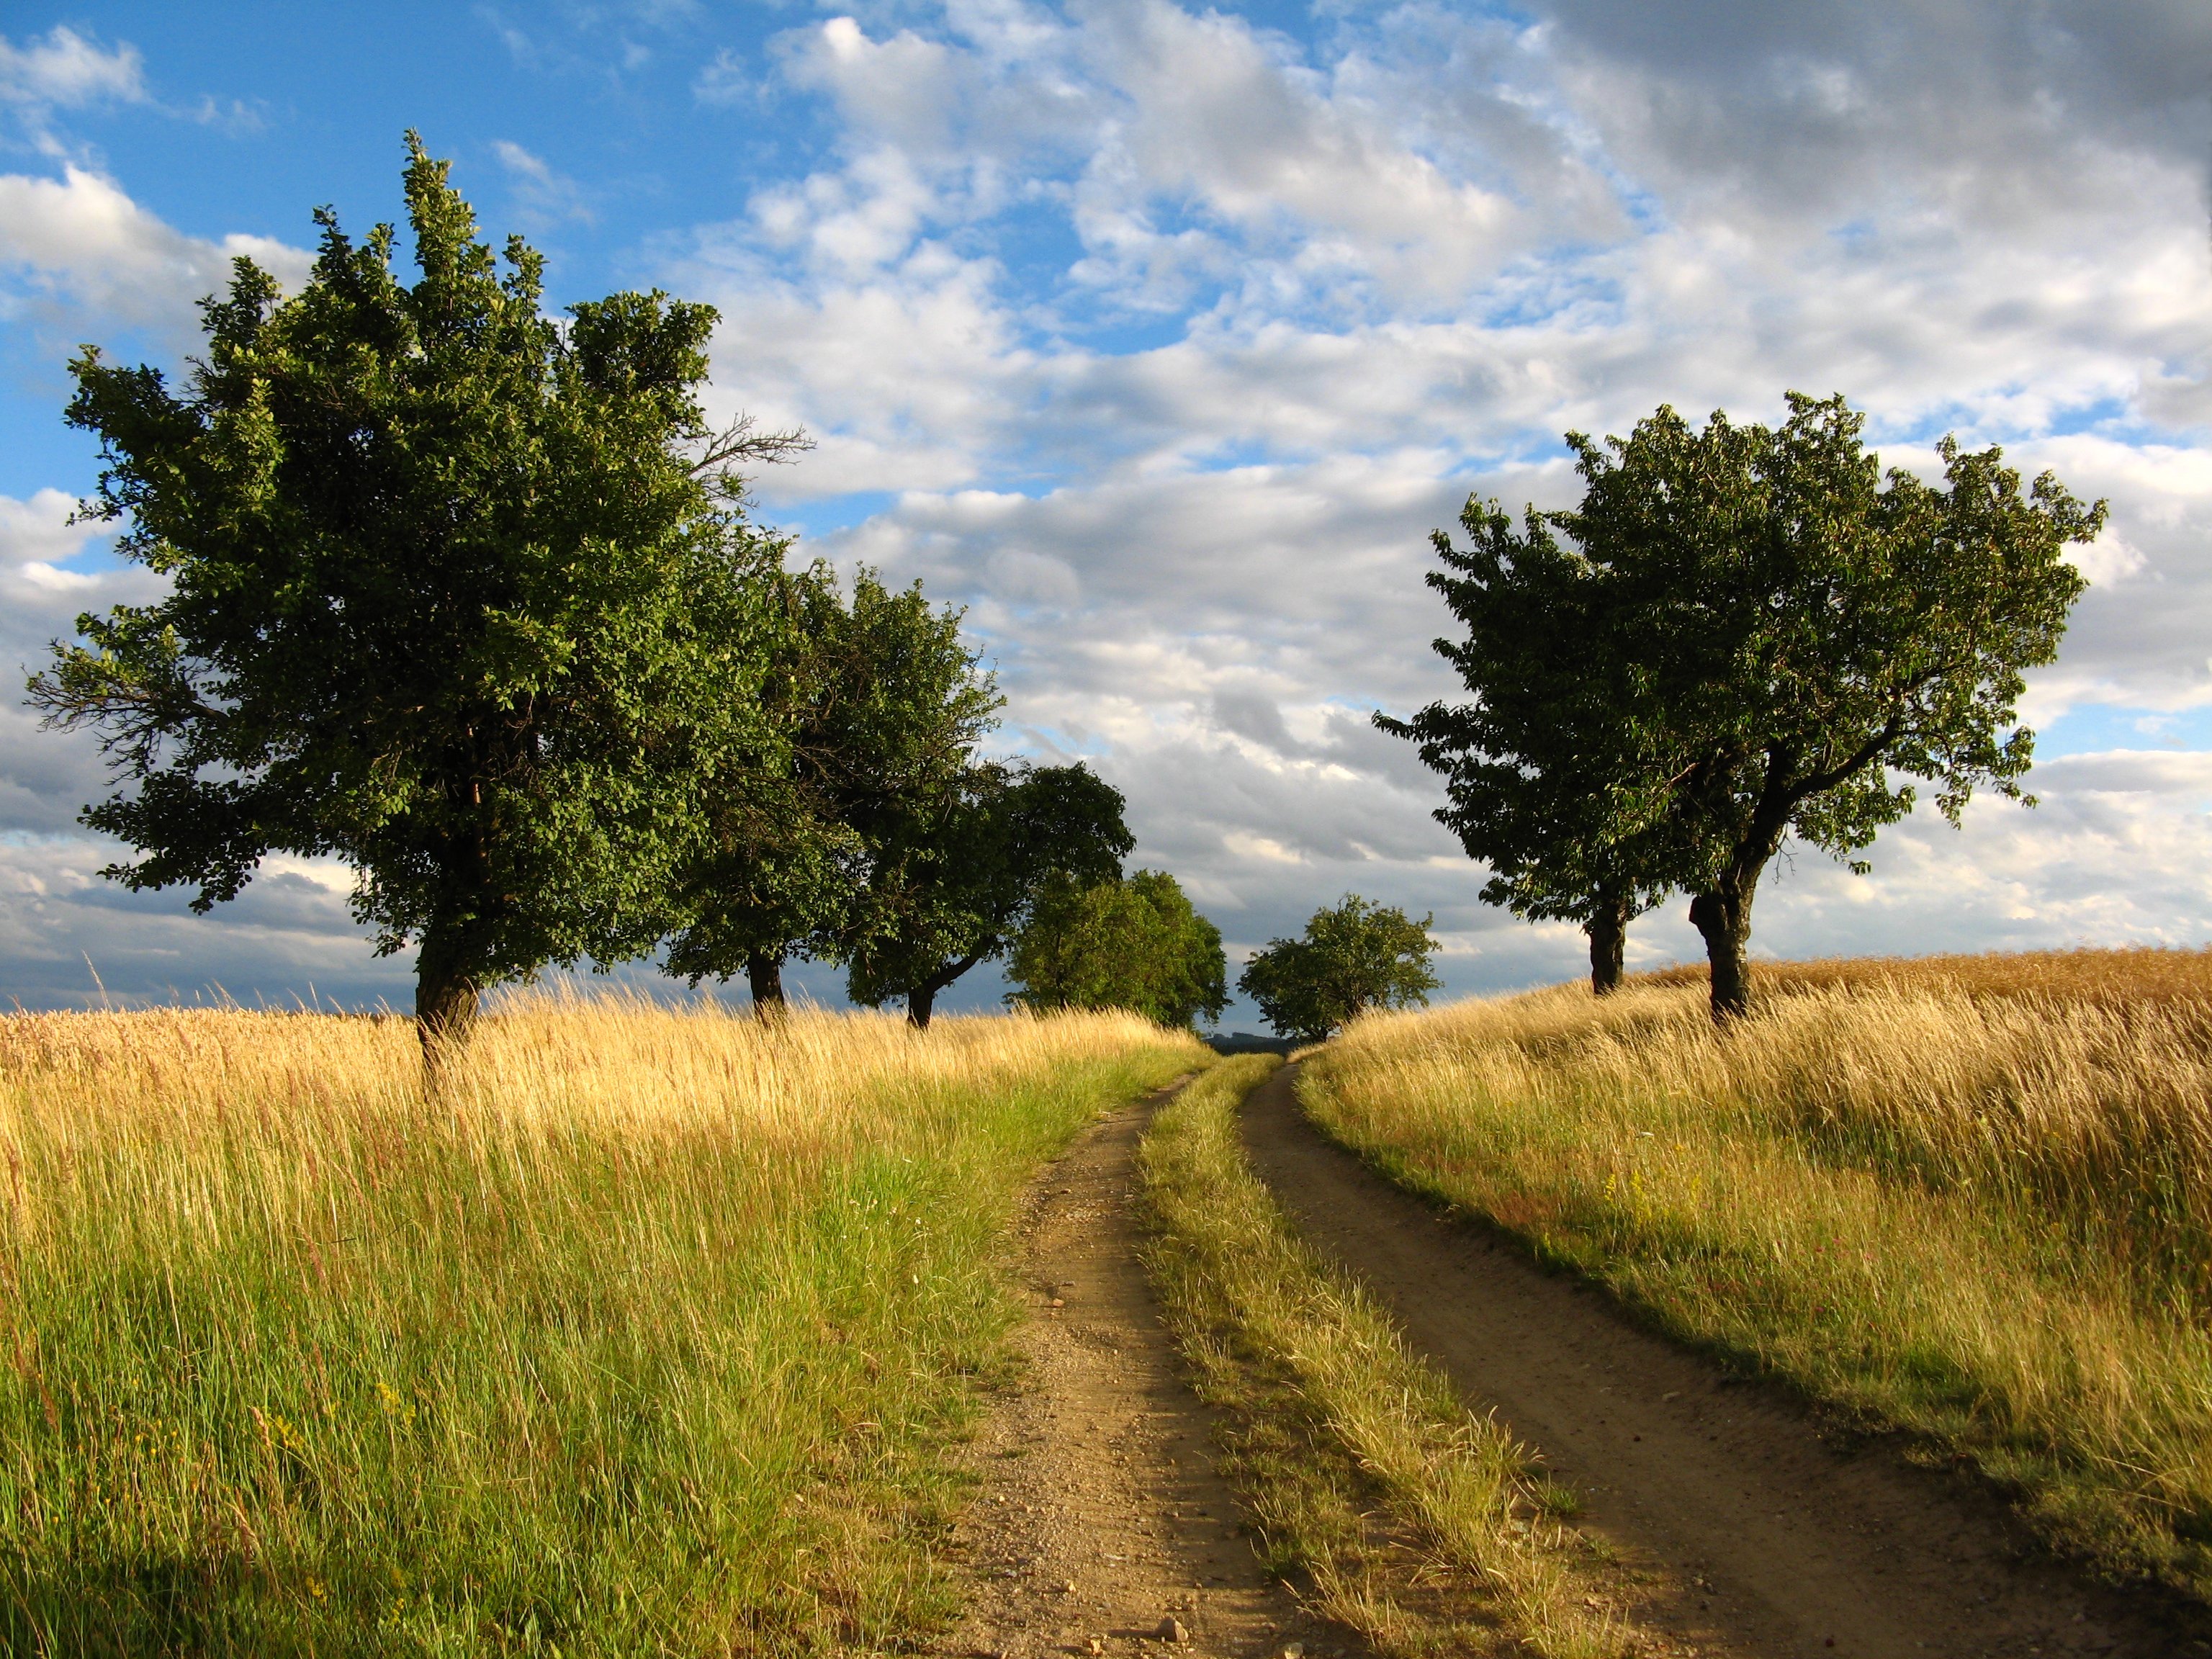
[1159,337]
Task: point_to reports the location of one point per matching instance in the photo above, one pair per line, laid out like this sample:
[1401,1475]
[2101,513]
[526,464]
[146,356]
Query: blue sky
[1159,336]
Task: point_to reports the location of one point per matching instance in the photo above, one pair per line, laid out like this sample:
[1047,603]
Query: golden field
[1968,1197]
[638,1337]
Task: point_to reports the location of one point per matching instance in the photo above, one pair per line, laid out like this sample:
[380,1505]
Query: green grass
[1402,1514]
[651,1346]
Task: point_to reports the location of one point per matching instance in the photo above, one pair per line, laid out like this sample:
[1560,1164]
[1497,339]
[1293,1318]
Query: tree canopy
[954,874]
[1551,776]
[1754,634]
[872,709]
[1808,635]
[1356,957]
[1135,944]
[460,593]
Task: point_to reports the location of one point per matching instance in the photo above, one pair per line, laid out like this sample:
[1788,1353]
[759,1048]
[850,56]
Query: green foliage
[1755,634]
[1356,957]
[1552,782]
[454,596]
[954,874]
[1806,635]
[1133,944]
[872,709]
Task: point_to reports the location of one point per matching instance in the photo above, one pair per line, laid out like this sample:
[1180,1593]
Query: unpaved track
[1794,1545]
[1098,1468]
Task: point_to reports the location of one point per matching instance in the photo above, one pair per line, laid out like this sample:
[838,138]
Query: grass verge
[644,1339]
[1974,1205]
[1419,1525]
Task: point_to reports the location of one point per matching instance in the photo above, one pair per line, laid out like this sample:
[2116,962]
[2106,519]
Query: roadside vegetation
[1403,1515]
[636,1337]
[1970,1198]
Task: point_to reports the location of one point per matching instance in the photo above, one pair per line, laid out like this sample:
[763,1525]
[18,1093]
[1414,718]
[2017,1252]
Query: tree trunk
[764,974]
[919,1002]
[446,997]
[1607,928]
[1722,914]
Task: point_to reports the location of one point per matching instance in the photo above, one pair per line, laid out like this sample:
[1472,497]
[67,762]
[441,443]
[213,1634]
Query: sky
[1160,337]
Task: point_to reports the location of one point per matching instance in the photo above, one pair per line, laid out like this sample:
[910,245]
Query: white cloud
[64,70]
[542,198]
[79,247]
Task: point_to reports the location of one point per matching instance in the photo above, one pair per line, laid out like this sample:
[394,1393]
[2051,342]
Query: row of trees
[1740,634]
[469,596]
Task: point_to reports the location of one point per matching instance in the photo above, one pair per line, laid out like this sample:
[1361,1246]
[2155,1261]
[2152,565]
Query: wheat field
[640,1337]
[1969,1197]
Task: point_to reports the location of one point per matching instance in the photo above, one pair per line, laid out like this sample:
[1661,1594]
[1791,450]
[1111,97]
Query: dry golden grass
[637,1338]
[2125,978]
[1971,1197]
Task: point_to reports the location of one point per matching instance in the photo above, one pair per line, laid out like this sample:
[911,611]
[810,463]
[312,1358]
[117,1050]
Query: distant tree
[1553,778]
[1354,958]
[1805,635]
[954,876]
[872,709]
[459,594]
[1134,944]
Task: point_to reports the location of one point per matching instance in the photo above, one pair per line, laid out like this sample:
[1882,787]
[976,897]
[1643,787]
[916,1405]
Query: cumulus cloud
[79,247]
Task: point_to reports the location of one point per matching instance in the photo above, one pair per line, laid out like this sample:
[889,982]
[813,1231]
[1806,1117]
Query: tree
[871,707]
[459,594]
[1135,944]
[1805,635]
[954,875]
[1356,957]
[1553,780]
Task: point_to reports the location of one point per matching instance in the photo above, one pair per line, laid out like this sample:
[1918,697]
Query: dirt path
[1781,1543]
[1101,1515]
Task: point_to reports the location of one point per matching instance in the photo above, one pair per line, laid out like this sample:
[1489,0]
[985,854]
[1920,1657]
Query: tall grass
[1976,1205]
[636,1340]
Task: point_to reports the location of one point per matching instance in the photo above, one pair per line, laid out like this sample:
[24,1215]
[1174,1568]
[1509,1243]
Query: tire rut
[1778,1542]
[1100,1513]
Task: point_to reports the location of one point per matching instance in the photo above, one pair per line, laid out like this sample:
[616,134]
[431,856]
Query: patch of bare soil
[1101,1525]
[1782,1542]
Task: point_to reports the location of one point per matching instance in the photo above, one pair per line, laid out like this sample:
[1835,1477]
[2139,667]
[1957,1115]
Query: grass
[1419,1525]
[642,1339]
[1970,1198]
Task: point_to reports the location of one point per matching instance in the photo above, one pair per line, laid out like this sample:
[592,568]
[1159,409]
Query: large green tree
[954,874]
[459,592]
[1805,635]
[1552,779]
[872,709]
[1135,944]
[1353,957]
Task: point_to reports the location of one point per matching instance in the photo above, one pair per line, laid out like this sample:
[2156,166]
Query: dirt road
[1101,1516]
[1789,1545]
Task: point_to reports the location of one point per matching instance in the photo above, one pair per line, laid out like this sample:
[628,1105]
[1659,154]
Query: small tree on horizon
[874,705]
[1135,944]
[1355,956]
[459,594]
[954,876]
